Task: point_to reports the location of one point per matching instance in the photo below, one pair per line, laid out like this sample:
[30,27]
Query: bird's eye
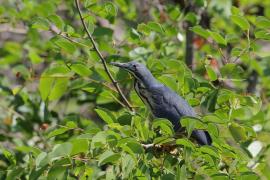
[134,66]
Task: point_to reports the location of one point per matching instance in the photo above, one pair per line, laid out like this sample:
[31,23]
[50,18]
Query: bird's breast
[144,94]
[151,100]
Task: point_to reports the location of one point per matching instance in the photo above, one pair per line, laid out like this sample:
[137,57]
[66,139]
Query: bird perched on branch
[162,101]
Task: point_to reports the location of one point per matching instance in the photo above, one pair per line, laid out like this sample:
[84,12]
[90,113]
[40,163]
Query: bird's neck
[147,80]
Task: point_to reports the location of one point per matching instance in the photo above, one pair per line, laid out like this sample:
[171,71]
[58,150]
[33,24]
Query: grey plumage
[162,101]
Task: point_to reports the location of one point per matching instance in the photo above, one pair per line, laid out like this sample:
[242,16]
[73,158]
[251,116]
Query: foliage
[61,117]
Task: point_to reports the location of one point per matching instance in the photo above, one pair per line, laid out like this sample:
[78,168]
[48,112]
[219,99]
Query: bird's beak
[121,65]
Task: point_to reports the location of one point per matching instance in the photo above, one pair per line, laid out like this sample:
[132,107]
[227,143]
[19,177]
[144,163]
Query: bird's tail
[202,137]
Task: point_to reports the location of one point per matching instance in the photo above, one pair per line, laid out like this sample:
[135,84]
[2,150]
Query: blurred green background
[61,117]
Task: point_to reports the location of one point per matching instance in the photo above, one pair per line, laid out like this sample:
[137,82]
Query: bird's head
[138,70]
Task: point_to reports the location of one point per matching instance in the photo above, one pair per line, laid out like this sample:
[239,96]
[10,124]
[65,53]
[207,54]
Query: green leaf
[108,157]
[88,136]
[218,38]
[174,13]
[211,73]
[57,132]
[53,83]
[57,21]
[240,21]
[262,34]
[81,69]
[105,115]
[90,22]
[235,10]
[60,150]
[125,119]
[66,45]
[194,102]
[9,156]
[191,17]
[135,147]
[155,27]
[213,129]
[105,97]
[102,31]
[128,165]
[34,57]
[14,173]
[220,176]
[134,34]
[71,124]
[185,142]
[181,172]
[191,123]
[164,125]
[41,23]
[200,31]
[110,8]
[42,159]
[209,150]
[211,100]
[79,146]
[249,176]
[57,172]
[143,28]
[238,132]
[231,70]
[29,149]
[163,140]
[262,22]
[99,140]
[213,118]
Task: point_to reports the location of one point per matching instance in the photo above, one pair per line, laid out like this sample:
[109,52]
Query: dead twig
[115,83]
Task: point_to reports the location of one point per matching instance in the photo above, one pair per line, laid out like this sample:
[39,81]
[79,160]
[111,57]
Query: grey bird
[162,101]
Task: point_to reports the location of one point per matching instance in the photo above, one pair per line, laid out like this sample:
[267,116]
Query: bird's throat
[142,93]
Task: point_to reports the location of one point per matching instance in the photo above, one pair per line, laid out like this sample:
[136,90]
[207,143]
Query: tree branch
[189,46]
[115,83]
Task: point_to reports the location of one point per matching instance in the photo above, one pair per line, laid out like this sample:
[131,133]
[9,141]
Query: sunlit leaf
[218,38]
[41,23]
[240,21]
[200,31]
[81,69]
[106,116]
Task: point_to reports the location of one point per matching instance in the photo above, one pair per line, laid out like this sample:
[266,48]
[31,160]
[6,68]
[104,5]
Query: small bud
[44,126]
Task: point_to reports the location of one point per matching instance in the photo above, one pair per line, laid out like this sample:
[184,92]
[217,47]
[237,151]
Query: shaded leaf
[238,132]
[108,157]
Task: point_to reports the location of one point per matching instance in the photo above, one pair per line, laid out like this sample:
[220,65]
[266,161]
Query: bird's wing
[179,107]
[177,102]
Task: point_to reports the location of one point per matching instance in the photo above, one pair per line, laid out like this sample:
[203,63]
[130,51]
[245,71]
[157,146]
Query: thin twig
[57,31]
[115,83]
[244,50]
[223,59]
